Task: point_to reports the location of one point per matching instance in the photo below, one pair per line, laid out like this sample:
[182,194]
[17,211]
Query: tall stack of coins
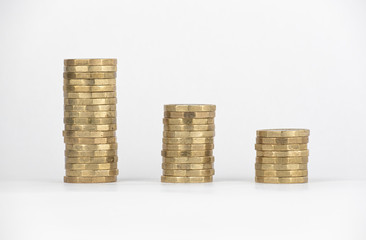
[90,120]
[282,156]
[188,143]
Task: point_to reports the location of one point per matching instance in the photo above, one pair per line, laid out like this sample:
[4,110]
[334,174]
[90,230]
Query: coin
[189,166]
[74,140]
[294,173]
[197,134]
[90,101]
[210,127]
[90,82]
[205,140]
[283,140]
[91,95]
[72,75]
[92,108]
[93,160]
[283,133]
[90,68]
[300,153]
[80,127]
[186,153]
[189,173]
[101,121]
[89,134]
[192,147]
[91,173]
[80,89]
[189,108]
[103,153]
[100,166]
[189,114]
[90,147]
[170,179]
[280,167]
[188,121]
[281,147]
[285,160]
[91,62]
[91,114]
[281,179]
[90,179]
[209,159]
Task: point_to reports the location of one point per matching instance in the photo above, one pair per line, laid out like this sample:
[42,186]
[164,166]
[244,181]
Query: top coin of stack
[188,143]
[282,156]
[90,120]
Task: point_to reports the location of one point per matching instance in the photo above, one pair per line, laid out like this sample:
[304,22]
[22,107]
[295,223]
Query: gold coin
[189,173]
[283,140]
[281,167]
[74,140]
[91,95]
[189,108]
[281,179]
[90,82]
[91,62]
[91,173]
[189,127]
[89,134]
[281,147]
[91,147]
[100,166]
[293,173]
[90,68]
[97,108]
[189,114]
[80,89]
[201,134]
[108,75]
[184,141]
[170,179]
[209,159]
[188,166]
[107,127]
[90,179]
[186,153]
[192,147]
[93,160]
[101,121]
[188,121]
[102,153]
[274,133]
[90,101]
[285,160]
[300,153]
[91,114]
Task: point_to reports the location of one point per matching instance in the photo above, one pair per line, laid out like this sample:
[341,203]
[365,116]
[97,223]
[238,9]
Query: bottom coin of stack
[189,132]
[282,156]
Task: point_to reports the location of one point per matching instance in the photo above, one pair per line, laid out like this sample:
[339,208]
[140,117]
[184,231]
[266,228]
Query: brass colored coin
[91,173]
[189,173]
[80,89]
[293,173]
[274,133]
[189,166]
[90,68]
[102,153]
[92,160]
[92,108]
[300,153]
[281,147]
[201,134]
[90,82]
[283,140]
[188,121]
[100,166]
[91,62]
[108,75]
[91,114]
[286,160]
[209,159]
[89,134]
[90,101]
[189,108]
[192,147]
[91,95]
[90,179]
[80,127]
[206,140]
[186,153]
[91,147]
[74,140]
[189,127]
[281,179]
[189,114]
[169,179]
[101,121]
[281,167]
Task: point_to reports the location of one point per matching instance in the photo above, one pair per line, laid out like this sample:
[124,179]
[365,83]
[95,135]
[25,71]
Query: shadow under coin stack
[188,142]
[90,120]
[282,156]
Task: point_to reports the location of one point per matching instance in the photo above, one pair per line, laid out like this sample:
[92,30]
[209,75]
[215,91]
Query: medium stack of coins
[188,143]
[282,156]
[90,120]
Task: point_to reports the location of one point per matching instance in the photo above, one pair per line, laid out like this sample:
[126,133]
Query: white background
[265,64]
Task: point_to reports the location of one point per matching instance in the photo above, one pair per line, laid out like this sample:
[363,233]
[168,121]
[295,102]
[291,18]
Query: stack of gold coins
[282,156]
[90,120]
[188,143]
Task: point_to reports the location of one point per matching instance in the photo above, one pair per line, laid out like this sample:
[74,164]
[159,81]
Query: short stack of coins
[188,142]
[90,120]
[282,156]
